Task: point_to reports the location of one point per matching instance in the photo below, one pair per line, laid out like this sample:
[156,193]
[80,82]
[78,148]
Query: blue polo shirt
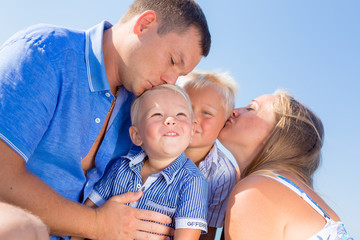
[179,191]
[54,97]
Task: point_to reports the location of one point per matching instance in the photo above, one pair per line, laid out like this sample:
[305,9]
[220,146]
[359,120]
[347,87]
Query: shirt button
[138,186]
[107,94]
[97,120]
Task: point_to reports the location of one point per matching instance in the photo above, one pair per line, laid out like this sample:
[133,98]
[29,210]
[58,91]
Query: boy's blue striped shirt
[179,191]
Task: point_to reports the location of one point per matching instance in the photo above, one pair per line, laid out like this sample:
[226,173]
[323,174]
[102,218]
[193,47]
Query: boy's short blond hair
[222,81]
[175,89]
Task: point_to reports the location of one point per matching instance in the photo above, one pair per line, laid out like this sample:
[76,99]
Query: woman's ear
[135,135]
[146,20]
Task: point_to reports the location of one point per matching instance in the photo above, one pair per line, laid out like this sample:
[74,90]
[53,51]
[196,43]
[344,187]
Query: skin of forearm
[187,234]
[210,234]
[62,216]
[21,188]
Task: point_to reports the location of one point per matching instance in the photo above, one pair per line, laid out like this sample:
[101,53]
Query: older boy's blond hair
[222,81]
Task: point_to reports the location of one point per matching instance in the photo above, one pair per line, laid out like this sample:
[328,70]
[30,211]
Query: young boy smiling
[212,97]
[162,124]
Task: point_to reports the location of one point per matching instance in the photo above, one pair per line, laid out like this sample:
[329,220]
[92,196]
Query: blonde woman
[276,142]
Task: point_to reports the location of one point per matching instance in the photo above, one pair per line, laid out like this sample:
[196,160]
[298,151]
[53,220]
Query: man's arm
[113,220]
[87,203]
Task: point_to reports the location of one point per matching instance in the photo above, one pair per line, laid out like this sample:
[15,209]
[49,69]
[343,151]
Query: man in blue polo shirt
[65,97]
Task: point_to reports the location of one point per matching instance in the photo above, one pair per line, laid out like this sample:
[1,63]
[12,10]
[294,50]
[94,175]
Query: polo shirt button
[107,94]
[97,120]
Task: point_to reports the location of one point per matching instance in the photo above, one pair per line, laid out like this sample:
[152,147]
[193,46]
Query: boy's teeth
[171,134]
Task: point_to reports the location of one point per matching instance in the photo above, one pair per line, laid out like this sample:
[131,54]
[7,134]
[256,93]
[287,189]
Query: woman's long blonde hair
[294,145]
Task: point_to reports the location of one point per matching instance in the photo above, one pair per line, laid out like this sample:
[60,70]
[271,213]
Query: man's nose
[169,78]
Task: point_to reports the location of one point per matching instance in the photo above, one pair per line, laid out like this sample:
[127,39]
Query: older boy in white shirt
[212,97]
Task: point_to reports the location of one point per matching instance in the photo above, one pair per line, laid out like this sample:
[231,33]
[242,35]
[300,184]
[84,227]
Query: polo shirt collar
[170,172]
[137,155]
[94,57]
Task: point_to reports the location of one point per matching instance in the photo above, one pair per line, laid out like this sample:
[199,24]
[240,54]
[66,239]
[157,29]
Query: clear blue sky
[309,47]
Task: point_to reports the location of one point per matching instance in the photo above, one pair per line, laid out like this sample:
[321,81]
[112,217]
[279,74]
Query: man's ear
[135,135]
[144,21]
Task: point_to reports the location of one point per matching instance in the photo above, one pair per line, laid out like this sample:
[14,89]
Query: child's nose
[170,121]
[196,121]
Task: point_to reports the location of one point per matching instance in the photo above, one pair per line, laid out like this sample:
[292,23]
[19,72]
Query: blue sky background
[309,47]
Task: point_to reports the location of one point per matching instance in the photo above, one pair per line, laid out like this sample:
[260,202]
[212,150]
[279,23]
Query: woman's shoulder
[256,184]
[265,190]
[254,202]
[254,191]
[261,198]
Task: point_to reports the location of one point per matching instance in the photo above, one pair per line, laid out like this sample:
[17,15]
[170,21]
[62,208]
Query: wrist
[87,224]
[91,230]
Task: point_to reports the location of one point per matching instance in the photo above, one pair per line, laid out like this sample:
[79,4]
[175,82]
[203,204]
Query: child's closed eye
[207,114]
[156,115]
[181,114]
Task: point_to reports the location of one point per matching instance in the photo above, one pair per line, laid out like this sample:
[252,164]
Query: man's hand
[64,217]
[118,221]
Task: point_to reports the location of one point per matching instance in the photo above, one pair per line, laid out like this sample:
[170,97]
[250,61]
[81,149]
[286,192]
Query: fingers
[139,213]
[118,221]
[145,236]
[152,227]
[152,216]
[150,222]
[127,197]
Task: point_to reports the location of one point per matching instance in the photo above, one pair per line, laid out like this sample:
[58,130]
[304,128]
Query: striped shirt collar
[94,57]
[211,159]
[137,155]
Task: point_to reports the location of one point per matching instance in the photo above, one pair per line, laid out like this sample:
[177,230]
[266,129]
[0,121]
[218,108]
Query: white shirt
[220,174]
